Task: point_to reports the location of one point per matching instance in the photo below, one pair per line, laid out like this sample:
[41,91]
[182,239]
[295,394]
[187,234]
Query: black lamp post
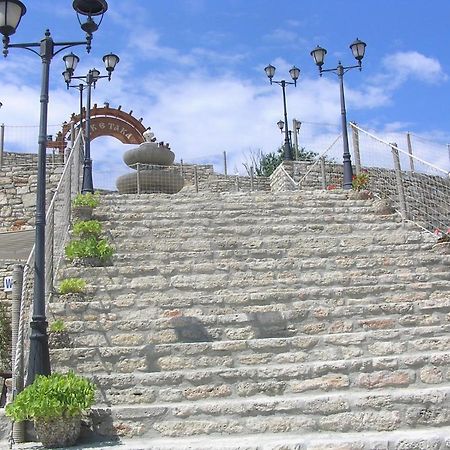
[90,80]
[11,11]
[295,73]
[358,49]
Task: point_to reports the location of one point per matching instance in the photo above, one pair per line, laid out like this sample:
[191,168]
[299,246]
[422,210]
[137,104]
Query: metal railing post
[357,154]
[323,173]
[18,430]
[398,176]
[196,179]
[2,143]
[410,151]
[138,178]
[225,163]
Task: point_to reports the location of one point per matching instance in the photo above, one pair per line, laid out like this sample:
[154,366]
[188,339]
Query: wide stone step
[383,410]
[412,439]
[271,380]
[179,283]
[382,315]
[153,241]
[176,327]
[180,356]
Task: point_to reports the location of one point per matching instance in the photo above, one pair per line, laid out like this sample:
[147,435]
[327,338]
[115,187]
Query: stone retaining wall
[18,183]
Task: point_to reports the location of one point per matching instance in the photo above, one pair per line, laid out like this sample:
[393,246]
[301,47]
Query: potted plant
[88,248]
[443,242]
[360,183]
[55,403]
[72,289]
[58,336]
[83,205]
[90,251]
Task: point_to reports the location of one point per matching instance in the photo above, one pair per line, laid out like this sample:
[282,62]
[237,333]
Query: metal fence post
[2,143]
[181,168]
[410,151]
[138,178]
[50,248]
[18,430]
[251,178]
[398,176]
[225,163]
[196,179]
[355,138]
[323,172]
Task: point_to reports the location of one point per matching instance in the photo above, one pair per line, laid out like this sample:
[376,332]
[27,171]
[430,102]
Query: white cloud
[414,65]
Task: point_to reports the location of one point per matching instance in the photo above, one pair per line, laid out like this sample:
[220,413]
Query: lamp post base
[39,359]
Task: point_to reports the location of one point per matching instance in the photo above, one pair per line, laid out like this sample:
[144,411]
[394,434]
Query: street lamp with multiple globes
[358,49]
[295,73]
[90,80]
[11,12]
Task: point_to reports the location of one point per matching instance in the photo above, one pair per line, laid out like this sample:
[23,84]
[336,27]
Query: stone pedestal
[154,172]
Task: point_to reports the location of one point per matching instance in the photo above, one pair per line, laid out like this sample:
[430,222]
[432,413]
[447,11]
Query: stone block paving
[302,320]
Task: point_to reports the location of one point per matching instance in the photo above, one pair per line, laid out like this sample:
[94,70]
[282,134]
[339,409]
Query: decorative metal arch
[105,121]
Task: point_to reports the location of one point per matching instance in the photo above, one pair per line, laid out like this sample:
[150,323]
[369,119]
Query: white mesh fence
[420,191]
[57,227]
[24,138]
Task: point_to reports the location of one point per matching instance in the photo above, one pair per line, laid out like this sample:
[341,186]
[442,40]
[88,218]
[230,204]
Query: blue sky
[193,69]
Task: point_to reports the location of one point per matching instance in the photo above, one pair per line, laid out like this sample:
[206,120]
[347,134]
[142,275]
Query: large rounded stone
[151,181]
[149,153]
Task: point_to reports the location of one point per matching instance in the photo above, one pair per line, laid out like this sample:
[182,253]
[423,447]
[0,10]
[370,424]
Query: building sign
[8,284]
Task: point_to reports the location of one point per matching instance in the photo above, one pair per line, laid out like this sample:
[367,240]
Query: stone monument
[154,172]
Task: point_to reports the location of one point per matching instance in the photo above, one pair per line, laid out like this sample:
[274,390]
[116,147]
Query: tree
[264,164]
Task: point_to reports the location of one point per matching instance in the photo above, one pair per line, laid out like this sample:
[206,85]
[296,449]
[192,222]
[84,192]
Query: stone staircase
[253,320]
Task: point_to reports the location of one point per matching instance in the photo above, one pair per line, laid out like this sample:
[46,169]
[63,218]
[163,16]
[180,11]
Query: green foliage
[360,181]
[88,199]
[72,286]
[5,339]
[86,228]
[265,164]
[57,326]
[90,247]
[53,396]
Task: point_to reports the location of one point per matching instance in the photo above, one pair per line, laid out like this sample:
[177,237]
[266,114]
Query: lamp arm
[66,45]
[280,83]
[347,68]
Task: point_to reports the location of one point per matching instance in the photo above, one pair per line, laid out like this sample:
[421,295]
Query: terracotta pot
[82,213]
[61,432]
[442,247]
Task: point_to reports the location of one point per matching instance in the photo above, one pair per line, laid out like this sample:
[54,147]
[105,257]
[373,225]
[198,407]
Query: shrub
[87,228]
[90,247]
[51,397]
[72,286]
[360,181]
[88,199]
[57,326]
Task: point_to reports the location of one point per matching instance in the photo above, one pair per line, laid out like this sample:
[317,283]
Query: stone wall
[18,184]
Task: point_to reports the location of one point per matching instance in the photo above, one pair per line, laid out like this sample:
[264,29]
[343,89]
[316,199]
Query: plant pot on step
[59,340]
[55,403]
[61,432]
[360,195]
[442,248]
[82,213]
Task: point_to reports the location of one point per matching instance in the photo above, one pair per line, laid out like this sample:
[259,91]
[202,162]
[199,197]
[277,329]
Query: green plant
[87,228]
[57,326]
[88,199]
[72,286]
[360,181]
[51,397]
[5,339]
[90,247]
